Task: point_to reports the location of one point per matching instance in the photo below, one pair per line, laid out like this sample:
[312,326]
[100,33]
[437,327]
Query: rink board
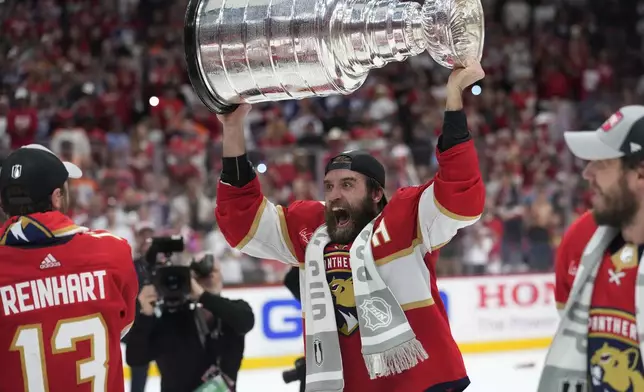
[487,314]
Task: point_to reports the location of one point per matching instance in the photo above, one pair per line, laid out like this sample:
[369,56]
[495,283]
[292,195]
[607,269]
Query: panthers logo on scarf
[615,363]
[338,272]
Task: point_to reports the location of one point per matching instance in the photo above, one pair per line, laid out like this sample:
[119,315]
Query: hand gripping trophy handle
[271,50]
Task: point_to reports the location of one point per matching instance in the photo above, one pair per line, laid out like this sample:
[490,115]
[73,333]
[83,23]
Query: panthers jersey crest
[338,272]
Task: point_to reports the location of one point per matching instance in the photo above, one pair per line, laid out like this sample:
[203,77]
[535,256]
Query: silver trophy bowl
[270,50]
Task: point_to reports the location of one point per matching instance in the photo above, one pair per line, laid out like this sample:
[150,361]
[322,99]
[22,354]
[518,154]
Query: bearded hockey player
[598,271]
[373,316]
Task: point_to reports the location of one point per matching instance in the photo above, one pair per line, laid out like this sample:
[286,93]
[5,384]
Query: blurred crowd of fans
[103,83]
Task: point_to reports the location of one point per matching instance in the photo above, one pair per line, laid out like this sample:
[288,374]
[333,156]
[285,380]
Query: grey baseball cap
[619,136]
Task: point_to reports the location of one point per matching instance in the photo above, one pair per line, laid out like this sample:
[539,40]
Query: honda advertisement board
[501,308]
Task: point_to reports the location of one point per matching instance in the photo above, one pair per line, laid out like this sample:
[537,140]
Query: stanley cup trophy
[269,50]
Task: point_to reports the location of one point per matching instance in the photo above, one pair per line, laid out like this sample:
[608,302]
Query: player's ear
[378,194]
[57,199]
[640,171]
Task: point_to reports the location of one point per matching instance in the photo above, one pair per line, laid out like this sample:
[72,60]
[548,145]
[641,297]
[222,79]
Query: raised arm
[455,197]
[249,221]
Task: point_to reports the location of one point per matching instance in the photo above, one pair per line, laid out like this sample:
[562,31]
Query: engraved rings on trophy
[270,50]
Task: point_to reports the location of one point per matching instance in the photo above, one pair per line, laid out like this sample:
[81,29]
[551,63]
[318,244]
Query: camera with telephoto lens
[172,282]
[203,267]
[298,373]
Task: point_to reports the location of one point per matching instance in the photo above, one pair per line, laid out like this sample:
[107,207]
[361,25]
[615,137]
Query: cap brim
[587,146]
[72,170]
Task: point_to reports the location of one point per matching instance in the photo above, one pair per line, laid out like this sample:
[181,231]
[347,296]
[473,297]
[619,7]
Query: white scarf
[389,345]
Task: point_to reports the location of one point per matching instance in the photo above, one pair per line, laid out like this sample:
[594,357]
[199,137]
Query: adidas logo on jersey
[49,262]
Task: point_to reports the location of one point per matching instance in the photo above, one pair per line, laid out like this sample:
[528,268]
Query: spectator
[511,211]
[115,221]
[22,120]
[478,246]
[193,206]
[539,221]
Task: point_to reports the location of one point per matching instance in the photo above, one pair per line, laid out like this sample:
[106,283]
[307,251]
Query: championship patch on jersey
[615,363]
[340,279]
[612,121]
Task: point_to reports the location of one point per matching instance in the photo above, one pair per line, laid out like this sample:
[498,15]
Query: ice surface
[516,371]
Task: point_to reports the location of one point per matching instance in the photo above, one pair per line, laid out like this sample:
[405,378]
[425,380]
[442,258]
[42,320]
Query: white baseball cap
[619,136]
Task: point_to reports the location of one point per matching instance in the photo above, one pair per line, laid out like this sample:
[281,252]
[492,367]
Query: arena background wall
[487,314]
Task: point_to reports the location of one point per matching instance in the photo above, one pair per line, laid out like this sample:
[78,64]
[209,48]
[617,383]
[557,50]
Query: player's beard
[357,217]
[619,206]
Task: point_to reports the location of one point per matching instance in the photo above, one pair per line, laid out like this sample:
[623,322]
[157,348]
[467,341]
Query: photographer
[144,232]
[298,373]
[192,339]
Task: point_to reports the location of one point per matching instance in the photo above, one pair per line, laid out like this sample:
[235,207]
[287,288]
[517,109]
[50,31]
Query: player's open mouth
[342,216]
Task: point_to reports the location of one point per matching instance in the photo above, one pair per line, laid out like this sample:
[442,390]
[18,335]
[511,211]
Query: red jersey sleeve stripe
[452,215]
[253,227]
[284,230]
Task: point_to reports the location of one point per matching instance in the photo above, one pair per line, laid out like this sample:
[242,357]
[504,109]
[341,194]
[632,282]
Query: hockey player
[598,271]
[374,320]
[67,294]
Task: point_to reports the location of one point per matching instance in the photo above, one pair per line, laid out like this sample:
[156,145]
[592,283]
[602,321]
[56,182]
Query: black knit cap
[358,161]
[37,170]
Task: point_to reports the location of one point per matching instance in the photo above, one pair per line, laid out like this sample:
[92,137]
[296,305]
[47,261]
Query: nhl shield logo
[376,313]
[317,352]
[16,171]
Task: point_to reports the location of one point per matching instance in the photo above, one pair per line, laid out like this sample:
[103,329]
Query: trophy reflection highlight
[270,50]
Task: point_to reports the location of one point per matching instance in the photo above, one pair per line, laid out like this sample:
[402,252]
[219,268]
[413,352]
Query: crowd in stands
[103,83]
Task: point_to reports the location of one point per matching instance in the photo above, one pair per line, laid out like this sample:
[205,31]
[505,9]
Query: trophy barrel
[454,31]
[262,50]
[271,50]
[208,96]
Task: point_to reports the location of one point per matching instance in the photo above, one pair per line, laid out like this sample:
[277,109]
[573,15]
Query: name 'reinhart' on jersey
[53,291]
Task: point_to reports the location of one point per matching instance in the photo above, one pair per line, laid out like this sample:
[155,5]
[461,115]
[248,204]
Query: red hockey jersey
[611,325]
[415,223]
[569,255]
[64,307]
